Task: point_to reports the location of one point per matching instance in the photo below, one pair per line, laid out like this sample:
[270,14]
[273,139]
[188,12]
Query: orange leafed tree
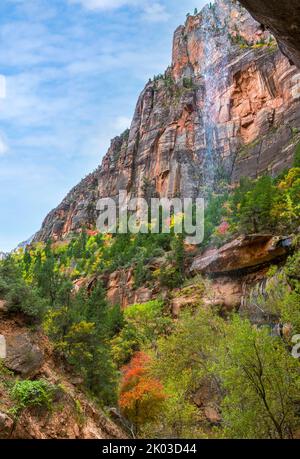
[141,395]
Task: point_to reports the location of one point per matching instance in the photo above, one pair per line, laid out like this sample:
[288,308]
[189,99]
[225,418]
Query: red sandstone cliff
[228,106]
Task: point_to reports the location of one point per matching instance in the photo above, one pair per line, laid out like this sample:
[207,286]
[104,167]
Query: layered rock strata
[227,107]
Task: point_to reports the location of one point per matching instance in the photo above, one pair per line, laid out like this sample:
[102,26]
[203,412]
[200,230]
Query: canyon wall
[283,19]
[228,106]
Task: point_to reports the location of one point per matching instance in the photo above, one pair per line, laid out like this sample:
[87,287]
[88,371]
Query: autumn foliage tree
[141,395]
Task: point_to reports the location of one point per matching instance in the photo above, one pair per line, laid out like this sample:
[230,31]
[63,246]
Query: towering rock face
[227,107]
[283,19]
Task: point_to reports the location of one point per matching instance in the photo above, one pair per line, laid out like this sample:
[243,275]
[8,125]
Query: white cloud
[104,4]
[152,12]
[2,87]
[3,147]
[155,12]
[72,84]
[122,123]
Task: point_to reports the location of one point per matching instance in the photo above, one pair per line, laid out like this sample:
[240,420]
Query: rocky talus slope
[227,107]
[30,356]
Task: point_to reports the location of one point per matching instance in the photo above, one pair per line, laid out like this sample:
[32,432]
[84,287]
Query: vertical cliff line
[227,107]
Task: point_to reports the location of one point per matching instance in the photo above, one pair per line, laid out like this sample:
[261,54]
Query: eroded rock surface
[207,398]
[23,356]
[228,106]
[243,253]
[6,425]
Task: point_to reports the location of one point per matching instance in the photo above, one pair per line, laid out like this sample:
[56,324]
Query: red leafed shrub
[92,232]
[141,395]
[223,228]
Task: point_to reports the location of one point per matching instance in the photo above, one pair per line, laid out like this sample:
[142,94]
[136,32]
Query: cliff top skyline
[73,71]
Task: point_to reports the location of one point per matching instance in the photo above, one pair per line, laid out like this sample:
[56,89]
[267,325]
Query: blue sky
[73,71]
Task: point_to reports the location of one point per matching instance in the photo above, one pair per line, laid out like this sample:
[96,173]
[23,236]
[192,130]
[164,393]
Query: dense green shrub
[144,323]
[19,296]
[141,273]
[265,204]
[181,362]
[297,156]
[261,383]
[214,212]
[169,277]
[80,332]
[29,393]
[188,83]
[251,205]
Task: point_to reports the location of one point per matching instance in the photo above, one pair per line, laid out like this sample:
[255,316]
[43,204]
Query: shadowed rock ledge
[283,20]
